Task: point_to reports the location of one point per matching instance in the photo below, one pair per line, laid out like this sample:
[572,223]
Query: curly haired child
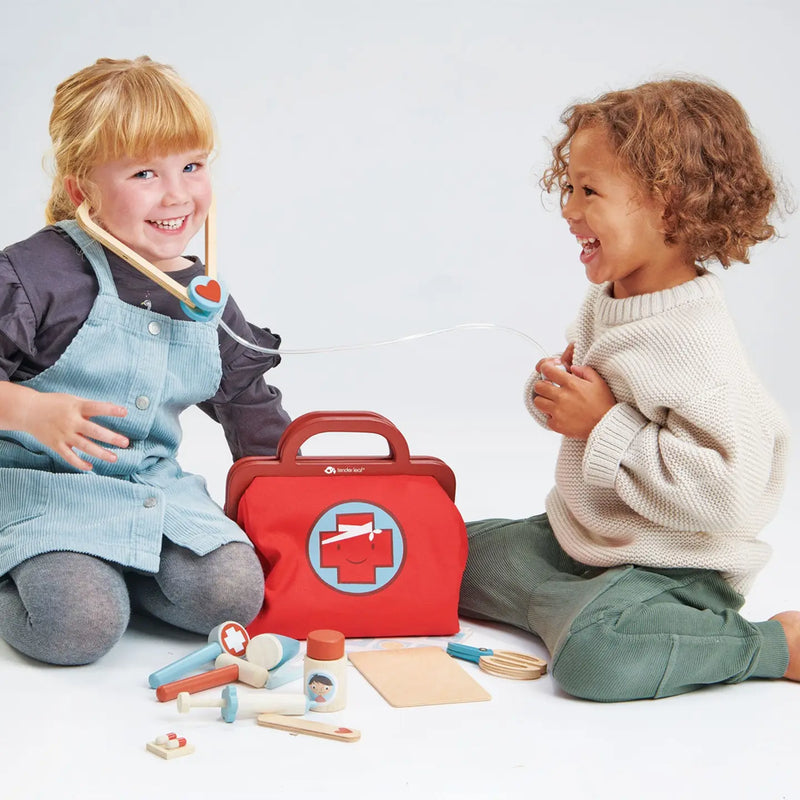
[673,456]
[97,361]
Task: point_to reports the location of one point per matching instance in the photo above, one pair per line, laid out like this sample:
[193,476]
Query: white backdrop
[377,176]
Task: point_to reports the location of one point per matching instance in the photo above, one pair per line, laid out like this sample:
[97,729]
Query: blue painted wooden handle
[468,653]
[183,666]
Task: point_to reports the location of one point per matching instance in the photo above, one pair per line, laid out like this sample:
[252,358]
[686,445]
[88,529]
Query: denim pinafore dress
[155,367]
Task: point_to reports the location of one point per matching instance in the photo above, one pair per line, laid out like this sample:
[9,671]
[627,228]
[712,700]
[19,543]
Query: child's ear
[73,190]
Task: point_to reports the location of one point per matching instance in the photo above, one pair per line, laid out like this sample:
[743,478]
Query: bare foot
[791,626]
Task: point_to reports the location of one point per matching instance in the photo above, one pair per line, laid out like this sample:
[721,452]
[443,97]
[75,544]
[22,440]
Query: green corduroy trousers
[621,633]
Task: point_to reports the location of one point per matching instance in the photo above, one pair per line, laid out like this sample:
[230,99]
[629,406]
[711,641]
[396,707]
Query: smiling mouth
[588,244]
[168,224]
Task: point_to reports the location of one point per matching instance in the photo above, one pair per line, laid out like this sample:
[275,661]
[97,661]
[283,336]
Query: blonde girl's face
[619,231]
[154,205]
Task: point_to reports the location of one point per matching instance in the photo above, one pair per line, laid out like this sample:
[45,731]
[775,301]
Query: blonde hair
[689,144]
[120,108]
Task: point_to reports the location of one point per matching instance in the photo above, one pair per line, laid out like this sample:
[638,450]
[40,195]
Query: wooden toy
[252,674]
[207,297]
[170,745]
[417,676]
[309,727]
[270,650]
[503,663]
[325,670]
[201,299]
[230,637]
[286,674]
[205,680]
[230,703]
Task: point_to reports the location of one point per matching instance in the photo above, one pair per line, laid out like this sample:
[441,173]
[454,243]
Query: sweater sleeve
[253,421]
[703,468]
[528,394]
[17,320]
[249,409]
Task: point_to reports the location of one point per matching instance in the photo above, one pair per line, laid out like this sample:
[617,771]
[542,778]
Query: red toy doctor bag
[369,546]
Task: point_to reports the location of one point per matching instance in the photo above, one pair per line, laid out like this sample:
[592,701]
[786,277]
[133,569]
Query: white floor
[81,732]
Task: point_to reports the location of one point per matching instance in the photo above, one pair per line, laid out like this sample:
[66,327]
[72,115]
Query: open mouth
[168,224]
[589,244]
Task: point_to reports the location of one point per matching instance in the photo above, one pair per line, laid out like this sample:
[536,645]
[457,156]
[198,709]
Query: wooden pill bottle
[325,671]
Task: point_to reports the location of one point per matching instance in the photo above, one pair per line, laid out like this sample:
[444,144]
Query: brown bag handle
[316,422]
[289,462]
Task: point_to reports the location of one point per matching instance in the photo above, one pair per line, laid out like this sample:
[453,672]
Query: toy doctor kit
[237,656]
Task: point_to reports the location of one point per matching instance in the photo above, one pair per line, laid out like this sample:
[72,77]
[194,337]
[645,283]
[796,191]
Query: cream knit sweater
[689,465]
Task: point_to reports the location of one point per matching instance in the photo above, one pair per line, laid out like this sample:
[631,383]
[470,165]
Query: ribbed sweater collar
[612,311]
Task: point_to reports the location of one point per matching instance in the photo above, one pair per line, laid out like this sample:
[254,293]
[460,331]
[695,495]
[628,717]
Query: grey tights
[69,608]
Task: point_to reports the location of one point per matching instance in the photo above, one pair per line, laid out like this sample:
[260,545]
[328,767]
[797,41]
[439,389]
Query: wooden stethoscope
[201,299]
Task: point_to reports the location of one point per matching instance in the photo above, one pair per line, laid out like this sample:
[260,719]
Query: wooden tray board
[418,676]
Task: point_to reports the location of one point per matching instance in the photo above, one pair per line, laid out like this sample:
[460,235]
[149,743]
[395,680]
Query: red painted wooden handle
[316,422]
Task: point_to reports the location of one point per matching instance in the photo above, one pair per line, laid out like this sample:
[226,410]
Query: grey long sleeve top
[47,289]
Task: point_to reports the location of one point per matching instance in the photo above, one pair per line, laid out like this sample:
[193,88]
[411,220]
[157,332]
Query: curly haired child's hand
[574,400]
[63,423]
[567,356]
[564,360]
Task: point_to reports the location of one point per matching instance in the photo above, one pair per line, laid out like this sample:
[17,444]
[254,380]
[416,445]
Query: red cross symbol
[356,548]
[234,638]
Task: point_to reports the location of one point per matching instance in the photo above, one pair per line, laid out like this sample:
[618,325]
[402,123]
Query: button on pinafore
[155,367]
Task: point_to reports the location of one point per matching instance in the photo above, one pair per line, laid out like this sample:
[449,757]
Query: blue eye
[193,167]
[144,174]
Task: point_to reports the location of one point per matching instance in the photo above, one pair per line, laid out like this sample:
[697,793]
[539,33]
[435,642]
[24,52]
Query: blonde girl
[97,362]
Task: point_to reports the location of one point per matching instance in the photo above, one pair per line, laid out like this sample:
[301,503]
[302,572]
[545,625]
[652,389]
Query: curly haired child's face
[154,205]
[619,230]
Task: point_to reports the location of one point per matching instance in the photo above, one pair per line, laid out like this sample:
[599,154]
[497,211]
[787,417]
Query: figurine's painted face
[319,688]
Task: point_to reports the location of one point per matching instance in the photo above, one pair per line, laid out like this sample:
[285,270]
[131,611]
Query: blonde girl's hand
[573,401]
[63,422]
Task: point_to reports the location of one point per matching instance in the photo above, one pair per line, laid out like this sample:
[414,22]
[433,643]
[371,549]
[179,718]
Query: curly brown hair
[690,146]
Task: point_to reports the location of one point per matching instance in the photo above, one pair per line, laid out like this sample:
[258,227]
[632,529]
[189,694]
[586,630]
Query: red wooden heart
[343,730]
[211,291]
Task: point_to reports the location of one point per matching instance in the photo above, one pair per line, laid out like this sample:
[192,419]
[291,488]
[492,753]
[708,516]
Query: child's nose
[570,209]
[175,192]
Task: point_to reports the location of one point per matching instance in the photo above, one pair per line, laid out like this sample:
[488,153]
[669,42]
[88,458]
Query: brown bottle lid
[325,645]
